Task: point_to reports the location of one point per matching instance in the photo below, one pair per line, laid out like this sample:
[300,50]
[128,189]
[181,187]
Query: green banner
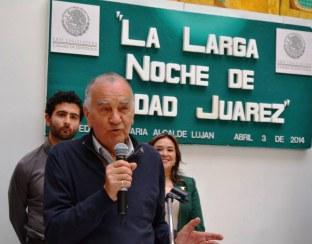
[205,78]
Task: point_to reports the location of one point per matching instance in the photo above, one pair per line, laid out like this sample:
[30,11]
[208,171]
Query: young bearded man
[63,114]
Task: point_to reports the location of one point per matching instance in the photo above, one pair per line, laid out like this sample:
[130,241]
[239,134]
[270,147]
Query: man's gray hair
[110,77]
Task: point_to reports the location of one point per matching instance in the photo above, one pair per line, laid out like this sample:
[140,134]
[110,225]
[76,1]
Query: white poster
[293,52]
[75,28]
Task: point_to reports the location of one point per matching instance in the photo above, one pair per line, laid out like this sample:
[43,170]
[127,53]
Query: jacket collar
[47,146]
[88,139]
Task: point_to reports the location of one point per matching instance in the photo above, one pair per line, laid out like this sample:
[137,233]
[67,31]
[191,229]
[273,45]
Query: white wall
[251,195]
[23,59]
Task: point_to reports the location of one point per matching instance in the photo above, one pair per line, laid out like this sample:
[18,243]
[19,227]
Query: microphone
[121,152]
[176,193]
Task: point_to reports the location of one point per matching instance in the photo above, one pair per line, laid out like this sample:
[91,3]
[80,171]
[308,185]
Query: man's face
[64,121]
[111,112]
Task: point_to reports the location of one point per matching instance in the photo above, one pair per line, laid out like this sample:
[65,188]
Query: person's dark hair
[63,97]
[175,171]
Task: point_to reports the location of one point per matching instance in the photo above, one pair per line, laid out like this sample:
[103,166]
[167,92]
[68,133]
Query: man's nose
[115,117]
[67,120]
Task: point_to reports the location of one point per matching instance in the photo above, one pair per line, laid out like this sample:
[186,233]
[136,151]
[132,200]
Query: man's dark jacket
[78,210]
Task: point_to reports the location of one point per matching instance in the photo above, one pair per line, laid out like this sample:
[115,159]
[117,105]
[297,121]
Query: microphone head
[121,150]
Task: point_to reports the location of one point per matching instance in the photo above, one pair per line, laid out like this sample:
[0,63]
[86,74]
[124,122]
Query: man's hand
[188,235]
[118,175]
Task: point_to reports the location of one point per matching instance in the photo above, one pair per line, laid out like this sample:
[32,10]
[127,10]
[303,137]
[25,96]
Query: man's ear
[47,119]
[132,121]
[86,113]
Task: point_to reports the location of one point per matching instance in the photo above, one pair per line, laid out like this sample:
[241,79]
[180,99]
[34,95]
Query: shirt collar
[105,153]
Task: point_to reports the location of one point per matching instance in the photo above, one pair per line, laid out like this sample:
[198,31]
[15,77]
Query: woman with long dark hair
[170,154]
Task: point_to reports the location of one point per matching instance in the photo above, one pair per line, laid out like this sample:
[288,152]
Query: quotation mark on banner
[287,102]
[119,16]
